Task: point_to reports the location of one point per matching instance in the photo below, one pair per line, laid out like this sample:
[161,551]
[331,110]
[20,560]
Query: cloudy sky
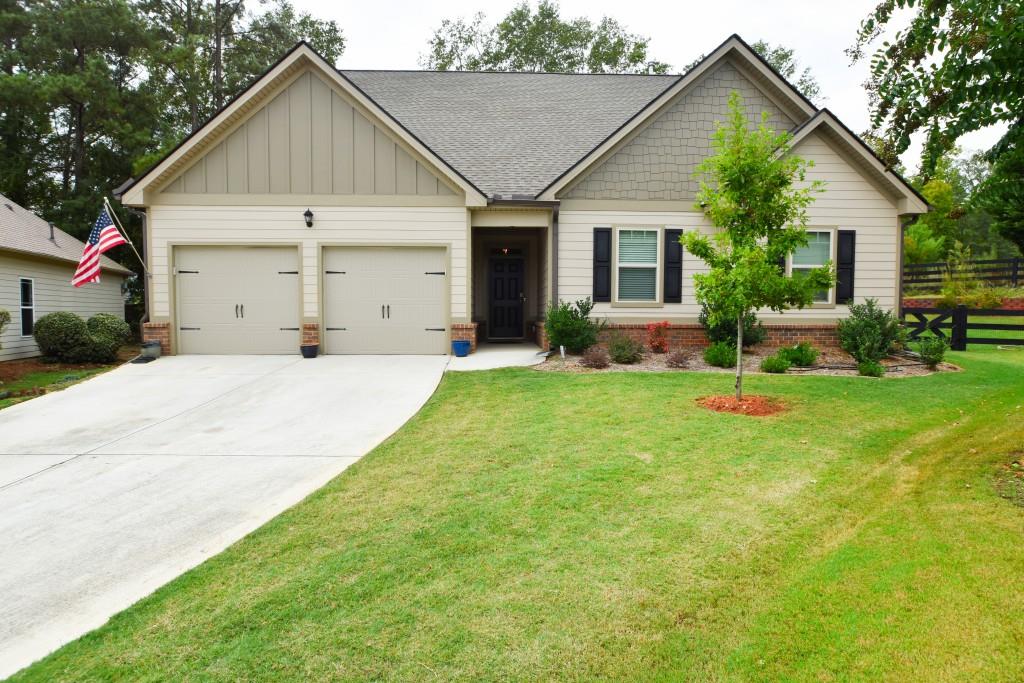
[393,34]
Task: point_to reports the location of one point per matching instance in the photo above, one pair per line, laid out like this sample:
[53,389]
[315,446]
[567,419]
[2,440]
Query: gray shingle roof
[510,133]
[23,231]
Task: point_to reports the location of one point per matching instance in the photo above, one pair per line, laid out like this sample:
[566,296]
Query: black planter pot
[310,350]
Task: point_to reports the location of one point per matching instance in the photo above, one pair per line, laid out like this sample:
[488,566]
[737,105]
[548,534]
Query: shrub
[753,331]
[803,355]
[677,359]
[932,350]
[870,368]
[5,319]
[721,354]
[624,350]
[657,336]
[66,337]
[870,333]
[570,325]
[776,364]
[595,357]
[109,333]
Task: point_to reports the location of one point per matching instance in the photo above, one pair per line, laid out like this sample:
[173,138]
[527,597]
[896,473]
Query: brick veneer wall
[540,335]
[1014,304]
[692,334]
[465,332]
[310,334]
[160,332]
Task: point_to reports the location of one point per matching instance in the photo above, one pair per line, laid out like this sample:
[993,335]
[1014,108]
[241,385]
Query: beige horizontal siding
[284,225]
[53,292]
[849,202]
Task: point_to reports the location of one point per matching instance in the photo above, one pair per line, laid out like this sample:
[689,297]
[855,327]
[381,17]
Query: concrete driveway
[113,487]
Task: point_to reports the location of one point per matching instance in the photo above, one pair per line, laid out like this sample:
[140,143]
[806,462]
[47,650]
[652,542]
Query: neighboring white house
[395,211]
[37,260]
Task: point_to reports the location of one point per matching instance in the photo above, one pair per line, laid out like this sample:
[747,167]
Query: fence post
[958,335]
[1015,272]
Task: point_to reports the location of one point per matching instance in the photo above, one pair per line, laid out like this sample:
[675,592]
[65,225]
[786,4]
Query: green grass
[49,380]
[545,526]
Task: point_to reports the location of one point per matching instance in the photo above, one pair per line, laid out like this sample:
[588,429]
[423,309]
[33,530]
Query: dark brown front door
[506,289]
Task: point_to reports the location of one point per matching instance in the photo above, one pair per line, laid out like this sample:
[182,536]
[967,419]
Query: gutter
[527,202]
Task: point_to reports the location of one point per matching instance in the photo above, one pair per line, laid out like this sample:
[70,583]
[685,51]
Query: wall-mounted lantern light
[309,218]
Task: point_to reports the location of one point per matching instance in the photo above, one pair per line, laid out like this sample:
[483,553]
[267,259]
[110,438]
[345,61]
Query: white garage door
[385,300]
[237,300]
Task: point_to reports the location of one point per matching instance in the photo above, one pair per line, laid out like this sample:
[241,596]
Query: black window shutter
[602,264]
[673,270]
[845,257]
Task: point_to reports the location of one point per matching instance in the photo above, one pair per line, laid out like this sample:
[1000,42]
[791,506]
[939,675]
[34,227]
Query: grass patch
[33,384]
[548,526]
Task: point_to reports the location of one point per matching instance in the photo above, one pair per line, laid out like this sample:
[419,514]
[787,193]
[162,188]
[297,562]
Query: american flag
[104,236]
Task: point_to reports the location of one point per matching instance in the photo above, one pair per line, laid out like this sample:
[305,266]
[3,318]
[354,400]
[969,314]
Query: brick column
[160,332]
[465,332]
[310,334]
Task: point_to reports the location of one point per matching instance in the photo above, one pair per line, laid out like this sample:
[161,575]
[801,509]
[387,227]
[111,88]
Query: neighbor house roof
[25,232]
[510,133]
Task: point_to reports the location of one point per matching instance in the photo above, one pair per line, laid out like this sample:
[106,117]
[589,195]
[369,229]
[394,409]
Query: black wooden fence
[1005,271]
[954,325]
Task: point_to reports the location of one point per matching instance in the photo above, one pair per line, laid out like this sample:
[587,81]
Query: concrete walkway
[115,486]
[494,356]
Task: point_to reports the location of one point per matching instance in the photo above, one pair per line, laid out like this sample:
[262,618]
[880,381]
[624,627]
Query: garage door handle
[434,329]
[382,311]
[243,310]
[236,310]
[433,272]
[389,311]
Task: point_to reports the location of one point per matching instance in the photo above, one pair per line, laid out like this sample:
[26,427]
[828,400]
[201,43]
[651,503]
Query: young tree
[749,190]
[538,41]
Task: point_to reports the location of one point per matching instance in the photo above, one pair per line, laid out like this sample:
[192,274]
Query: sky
[393,34]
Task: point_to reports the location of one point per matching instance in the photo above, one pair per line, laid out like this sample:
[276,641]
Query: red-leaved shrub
[657,336]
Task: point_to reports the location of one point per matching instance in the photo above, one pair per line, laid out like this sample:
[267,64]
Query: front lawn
[536,526]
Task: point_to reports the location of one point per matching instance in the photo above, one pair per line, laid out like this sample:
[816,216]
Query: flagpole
[124,233]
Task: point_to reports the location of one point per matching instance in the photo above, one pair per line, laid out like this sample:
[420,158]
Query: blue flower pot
[460,348]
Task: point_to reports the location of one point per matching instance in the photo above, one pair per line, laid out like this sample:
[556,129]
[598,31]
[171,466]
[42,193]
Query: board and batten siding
[849,202]
[53,292]
[308,139]
[333,225]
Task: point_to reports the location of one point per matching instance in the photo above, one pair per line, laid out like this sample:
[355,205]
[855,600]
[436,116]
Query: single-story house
[395,211]
[37,260]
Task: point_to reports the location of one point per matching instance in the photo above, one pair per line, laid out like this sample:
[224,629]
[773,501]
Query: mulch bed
[757,406]
[13,370]
[831,362]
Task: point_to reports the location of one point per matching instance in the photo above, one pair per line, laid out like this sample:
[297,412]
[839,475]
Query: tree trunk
[739,357]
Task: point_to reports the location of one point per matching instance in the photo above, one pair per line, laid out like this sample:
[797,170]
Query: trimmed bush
[721,354]
[803,355]
[677,359]
[570,325]
[753,331]
[624,350]
[870,368]
[596,358]
[109,333]
[932,350]
[870,333]
[5,320]
[64,336]
[775,365]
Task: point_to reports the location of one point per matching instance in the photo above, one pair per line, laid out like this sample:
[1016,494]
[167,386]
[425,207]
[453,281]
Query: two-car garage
[373,299]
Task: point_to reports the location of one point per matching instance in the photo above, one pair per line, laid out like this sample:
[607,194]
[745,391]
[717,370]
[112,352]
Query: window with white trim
[28,306]
[816,254]
[636,265]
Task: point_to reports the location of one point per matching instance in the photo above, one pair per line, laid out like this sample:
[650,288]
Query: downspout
[554,254]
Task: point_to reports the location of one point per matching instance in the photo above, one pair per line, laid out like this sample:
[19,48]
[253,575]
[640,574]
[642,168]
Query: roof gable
[658,162]
[772,86]
[308,139]
[259,94]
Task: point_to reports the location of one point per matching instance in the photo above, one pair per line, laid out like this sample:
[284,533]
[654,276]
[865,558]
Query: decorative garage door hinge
[336,329]
[434,272]
[194,272]
[287,272]
[289,329]
[434,329]
[189,328]
[335,272]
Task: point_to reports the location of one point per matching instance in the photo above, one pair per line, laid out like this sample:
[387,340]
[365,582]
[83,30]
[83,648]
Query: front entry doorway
[507,294]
